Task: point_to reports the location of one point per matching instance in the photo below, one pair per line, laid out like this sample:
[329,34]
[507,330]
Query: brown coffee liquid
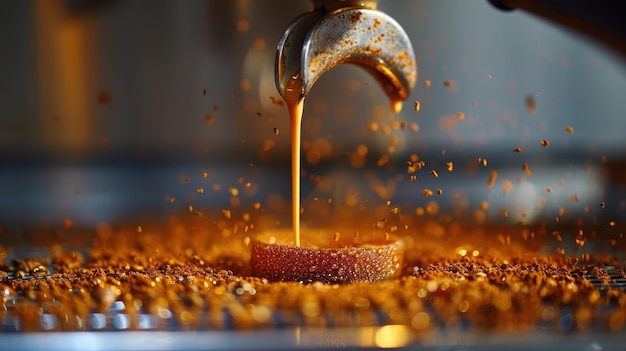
[295,104]
[295,116]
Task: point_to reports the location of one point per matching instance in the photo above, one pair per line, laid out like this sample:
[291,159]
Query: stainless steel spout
[338,32]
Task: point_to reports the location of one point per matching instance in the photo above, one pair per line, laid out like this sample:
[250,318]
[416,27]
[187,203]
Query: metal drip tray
[306,339]
[615,279]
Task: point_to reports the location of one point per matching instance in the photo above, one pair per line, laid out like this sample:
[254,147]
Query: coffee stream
[295,103]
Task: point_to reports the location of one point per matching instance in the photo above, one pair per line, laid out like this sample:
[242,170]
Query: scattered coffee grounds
[189,275]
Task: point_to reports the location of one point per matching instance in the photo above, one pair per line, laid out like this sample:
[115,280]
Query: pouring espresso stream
[338,32]
[295,105]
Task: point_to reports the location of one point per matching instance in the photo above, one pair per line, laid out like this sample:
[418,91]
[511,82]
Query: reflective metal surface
[316,42]
[309,339]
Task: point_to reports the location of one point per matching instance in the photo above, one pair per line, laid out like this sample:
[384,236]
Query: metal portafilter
[345,31]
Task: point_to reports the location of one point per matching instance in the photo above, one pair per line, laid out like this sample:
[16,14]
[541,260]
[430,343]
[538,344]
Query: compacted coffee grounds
[338,261]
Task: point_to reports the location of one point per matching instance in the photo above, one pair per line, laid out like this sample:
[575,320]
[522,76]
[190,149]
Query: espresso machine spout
[345,31]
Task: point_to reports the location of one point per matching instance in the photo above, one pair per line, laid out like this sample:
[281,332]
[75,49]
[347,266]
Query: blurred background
[110,110]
